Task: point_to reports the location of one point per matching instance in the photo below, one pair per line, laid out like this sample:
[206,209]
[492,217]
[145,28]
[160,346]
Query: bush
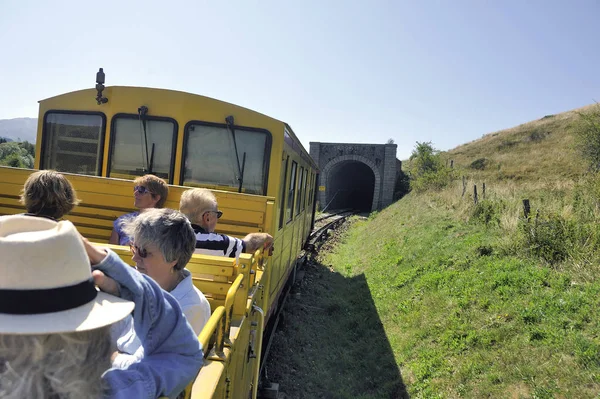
[426,169]
[488,211]
[402,186]
[18,155]
[549,238]
[479,164]
[587,136]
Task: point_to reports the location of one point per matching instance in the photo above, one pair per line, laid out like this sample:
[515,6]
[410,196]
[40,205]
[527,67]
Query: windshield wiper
[230,124]
[142,111]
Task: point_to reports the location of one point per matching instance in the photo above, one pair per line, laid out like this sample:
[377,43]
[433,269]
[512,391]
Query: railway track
[332,214]
[322,227]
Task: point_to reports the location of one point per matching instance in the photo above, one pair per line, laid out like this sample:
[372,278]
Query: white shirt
[193,302]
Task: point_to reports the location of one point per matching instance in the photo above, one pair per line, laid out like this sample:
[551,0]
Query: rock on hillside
[19,129]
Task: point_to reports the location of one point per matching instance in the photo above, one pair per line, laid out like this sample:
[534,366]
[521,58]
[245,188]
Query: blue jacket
[173,354]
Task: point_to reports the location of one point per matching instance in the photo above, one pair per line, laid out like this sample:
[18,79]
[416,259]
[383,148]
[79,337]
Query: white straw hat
[46,283]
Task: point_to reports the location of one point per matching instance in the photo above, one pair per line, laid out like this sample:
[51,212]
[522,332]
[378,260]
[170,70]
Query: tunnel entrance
[351,184]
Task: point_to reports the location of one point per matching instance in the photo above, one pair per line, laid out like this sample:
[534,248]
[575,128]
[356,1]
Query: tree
[426,168]
[15,155]
[29,147]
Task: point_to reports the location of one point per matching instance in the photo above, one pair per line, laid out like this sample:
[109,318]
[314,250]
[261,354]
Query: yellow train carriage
[263,178]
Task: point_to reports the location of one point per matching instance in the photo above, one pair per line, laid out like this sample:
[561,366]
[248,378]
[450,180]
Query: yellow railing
[213,332]
[215,338]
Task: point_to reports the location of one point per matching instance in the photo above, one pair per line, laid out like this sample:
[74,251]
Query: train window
[73,142]
[291,192]
[305,189]
[210,157]
[140,147]
[300,193]
[284,167]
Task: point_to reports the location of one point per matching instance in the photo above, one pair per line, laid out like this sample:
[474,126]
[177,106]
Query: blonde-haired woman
[149,192]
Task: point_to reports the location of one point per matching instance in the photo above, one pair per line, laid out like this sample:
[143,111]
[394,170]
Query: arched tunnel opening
[351,185]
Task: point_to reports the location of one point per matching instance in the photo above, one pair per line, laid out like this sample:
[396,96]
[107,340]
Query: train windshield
[73,142]
[210,158]
[142,146]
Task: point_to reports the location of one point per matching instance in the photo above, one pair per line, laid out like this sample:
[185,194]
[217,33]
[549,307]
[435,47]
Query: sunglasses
[137,250]
[219,213]
[141,190]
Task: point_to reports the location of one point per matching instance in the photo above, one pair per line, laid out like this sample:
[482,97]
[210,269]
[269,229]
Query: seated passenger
[55,326]
[48,194]
[200,206]
[163,243]
[149,192]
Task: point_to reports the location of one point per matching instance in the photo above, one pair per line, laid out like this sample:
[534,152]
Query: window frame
[305,189]
[293,173]
[266,160]
[148,118]
[101,140]
[283,191]
[300,190]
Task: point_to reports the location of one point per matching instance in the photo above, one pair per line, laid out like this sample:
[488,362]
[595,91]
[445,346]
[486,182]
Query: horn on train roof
[100,77]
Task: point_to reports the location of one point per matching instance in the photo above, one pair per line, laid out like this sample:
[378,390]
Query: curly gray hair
[166,228]
[48,366]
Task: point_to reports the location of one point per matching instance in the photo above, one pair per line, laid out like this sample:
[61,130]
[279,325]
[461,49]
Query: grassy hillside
[537,150]
[472,300]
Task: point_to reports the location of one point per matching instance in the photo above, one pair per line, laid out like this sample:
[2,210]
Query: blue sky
[337,71]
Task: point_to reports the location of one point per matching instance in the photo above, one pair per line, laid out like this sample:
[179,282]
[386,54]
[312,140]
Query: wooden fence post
[483,191]
[451,163]
[464,186]
[475,193]
[526,209]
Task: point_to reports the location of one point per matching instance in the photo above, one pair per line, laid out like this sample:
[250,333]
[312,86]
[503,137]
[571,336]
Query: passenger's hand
[94,253]
[268,245]
[105,283]
[268,241]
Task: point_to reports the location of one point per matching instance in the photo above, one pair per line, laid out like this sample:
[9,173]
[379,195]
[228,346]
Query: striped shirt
[217,244]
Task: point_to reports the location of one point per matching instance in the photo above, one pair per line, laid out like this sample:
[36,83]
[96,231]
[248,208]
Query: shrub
[402,186]
[587,136]
[479,164]
[488,211]
[427,170]
[18,155]
[550,237]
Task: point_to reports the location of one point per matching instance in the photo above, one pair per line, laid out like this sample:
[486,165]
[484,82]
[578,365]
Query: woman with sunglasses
[149,192]
[200,207]
[162,244]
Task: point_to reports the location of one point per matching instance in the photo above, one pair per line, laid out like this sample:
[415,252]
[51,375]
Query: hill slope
[535,150]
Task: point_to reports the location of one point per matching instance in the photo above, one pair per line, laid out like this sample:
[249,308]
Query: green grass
[464,318]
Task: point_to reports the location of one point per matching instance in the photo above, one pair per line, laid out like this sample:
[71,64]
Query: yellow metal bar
[210,328]
[259,334]
[229,299]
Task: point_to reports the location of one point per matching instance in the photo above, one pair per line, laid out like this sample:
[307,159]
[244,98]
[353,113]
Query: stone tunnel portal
[351,185]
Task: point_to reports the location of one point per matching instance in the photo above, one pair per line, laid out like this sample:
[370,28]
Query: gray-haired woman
[163,243]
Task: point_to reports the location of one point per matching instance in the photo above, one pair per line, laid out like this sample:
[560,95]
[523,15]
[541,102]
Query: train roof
[175,96]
